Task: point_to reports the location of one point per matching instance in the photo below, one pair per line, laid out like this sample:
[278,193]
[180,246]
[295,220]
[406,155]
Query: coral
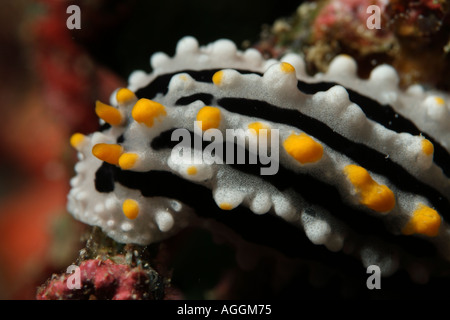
[107,271]
[417,18]
[413,37]
[103,279]
[342,20]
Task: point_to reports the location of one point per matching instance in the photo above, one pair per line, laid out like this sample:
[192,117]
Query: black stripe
[383,114]
[104,127]
[104,178]
[368,158]
[161,83]
[206,98]
[120,139]
[254,228]
[314,192]
[386,116]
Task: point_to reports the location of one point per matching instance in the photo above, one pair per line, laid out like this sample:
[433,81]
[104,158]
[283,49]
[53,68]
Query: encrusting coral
[413,37]
[106,271]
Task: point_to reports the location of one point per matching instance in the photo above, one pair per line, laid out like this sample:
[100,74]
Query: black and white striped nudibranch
[362,167]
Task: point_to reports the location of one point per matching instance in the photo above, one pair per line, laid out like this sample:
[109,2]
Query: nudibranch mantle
[363,166]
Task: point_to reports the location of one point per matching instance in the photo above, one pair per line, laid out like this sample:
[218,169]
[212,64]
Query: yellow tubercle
[258,126]
[373,195]
[210,117]
[225,206]
[147,111]
[439,101]
[427,147]
[303,148]
[124,95]
[130,209]
[108,113]
[128,160]
[424,220]
[217,77]
[287,67]
[108,152]
[76,140]
[192,170]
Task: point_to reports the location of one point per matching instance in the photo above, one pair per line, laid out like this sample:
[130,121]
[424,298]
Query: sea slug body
[362,167]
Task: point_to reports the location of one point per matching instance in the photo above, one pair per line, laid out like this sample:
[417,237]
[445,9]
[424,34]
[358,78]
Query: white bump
[80,156]
[282,207]
[317,231]
[233,197]
[75,181]
[296,61]
[230,78]
[110,223]
[99,208]
[261,203]
[159,59]
[337,97]
[137,78]
[253,56]
[342,65]
[126,226]
[224,48]
[187,45]
[181,81]
[80,167]
[284,82]
[164,220]
[81,196]
[385,76]
[111,203]
[204,172]
[436,108]
[415,89]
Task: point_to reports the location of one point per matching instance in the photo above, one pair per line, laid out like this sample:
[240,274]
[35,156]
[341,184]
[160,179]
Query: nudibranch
[362,167]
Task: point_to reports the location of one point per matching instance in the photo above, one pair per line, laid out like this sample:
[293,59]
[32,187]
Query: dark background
[127,32]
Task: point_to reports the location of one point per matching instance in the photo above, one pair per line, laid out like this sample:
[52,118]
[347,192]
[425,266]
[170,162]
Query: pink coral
[347,17]
[103,279]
